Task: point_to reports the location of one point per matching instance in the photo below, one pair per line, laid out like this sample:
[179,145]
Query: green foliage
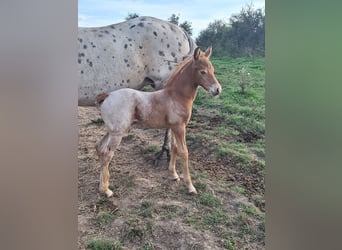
[186,26]
[244,35]
[131,16]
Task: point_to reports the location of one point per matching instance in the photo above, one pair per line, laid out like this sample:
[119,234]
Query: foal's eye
[203,72]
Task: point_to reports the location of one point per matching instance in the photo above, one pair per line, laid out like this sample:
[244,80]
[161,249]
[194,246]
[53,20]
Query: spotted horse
[131,54]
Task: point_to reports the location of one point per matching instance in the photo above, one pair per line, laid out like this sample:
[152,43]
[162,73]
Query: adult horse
[169,108]
[138,52]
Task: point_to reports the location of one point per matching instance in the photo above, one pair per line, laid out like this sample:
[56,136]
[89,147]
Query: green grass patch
[238,190]
[230,244]
[215,217]
[146,246]
[170,210]
[208,200]
[146,209]
[104,218]
[105,245]
[238,151]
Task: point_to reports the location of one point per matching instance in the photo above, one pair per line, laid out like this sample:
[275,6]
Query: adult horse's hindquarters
[138,52]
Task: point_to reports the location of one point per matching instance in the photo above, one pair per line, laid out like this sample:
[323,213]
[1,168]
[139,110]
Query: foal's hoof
[192,191]
[109,193]
[175,177]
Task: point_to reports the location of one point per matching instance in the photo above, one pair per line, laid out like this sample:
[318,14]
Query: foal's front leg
[179,135]
[172,163]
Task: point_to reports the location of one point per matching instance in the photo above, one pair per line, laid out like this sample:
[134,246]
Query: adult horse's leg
[179,135]
[105,151]
[165,148]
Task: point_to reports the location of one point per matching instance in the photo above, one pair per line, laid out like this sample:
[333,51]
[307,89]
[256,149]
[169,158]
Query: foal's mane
[178,70]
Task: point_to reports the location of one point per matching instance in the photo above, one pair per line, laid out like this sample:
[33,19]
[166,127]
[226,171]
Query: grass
[233,125]
[208,200]
[105,245]
[104,219]
[231,129]
[146,209]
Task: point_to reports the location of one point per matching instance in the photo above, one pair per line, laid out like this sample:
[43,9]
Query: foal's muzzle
[215,90]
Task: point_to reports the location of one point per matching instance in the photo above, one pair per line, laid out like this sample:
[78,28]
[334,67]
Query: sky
[95,13]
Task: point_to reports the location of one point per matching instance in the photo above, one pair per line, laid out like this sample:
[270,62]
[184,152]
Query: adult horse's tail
[100,98]
[192,46]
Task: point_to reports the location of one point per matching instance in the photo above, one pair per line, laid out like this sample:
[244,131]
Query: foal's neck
[183,84]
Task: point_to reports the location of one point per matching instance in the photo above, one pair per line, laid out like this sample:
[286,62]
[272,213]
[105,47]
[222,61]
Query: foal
[169,107]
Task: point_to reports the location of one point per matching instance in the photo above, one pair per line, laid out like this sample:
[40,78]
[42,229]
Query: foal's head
[204,72]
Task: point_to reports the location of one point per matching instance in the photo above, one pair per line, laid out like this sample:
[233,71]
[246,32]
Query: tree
[215,35]
[174,19]
[244,35]
[131,16]
[186,26]
[248,32]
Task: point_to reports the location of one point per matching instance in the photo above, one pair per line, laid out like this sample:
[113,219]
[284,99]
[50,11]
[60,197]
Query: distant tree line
[242,36]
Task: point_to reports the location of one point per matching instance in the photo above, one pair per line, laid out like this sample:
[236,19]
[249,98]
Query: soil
[135,179]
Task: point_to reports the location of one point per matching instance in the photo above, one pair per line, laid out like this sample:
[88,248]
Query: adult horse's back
[131,54]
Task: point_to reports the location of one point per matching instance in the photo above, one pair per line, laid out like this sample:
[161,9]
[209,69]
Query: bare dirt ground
[150,211]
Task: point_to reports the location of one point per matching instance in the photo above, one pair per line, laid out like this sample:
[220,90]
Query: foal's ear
[207,53]
[197,53]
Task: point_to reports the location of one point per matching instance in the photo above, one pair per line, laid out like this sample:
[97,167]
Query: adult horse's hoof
[159,155]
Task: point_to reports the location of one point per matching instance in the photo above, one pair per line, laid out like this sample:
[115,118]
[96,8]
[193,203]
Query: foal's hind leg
[105,151]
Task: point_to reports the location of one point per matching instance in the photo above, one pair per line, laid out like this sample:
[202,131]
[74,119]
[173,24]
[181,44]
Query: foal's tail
[100,98]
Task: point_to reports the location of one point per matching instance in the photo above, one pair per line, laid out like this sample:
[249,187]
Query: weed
[249,210]
[215,217]
[147,246]
[200,175]
[172,210]
[105,245]
[208,200]
[146,213]
[238,190]
[245,79]
[104,218]
[258,200]
[229,244]
[146,210]
[135,231]
[146,204]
